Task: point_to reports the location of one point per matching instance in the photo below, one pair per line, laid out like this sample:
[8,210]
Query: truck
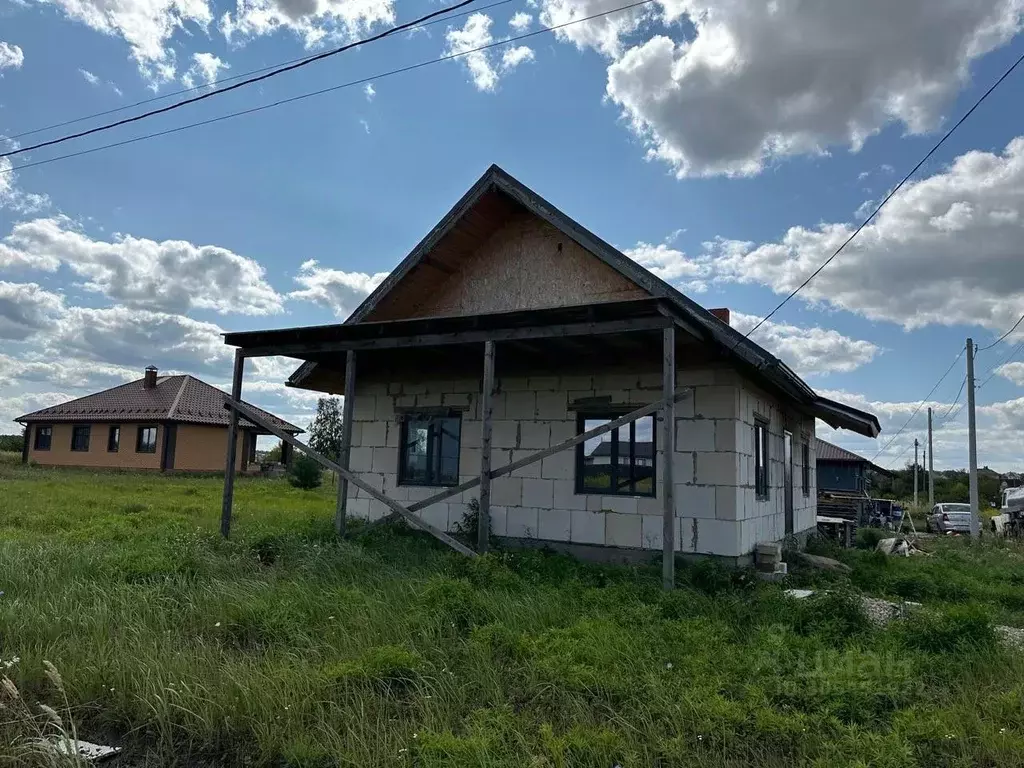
[1010,520]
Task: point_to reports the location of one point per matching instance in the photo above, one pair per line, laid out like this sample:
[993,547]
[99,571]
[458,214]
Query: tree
[325,431]
[12,443]
[274,454]
[305,473]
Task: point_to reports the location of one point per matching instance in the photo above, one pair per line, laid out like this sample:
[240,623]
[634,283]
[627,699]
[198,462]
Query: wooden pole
[347,409]
[486,409]
[972,443]
[229,467]
[668,442]
[931,465]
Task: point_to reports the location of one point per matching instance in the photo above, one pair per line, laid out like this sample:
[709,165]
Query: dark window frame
[805,472]
[762,459]
[434,420]
[36,443]
[138,438]
[114,438]
[76,430]
[631,480]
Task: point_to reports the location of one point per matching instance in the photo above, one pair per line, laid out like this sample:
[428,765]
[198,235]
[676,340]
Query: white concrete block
[371,387]
[682,467]
[498,410]
[693,377]
[419,492]
[684,407]
[384,460]
[535,435]
[499,520]
[587,527]
[593,502]
[507,491]
[457,512]
[622,530]
[436,515]
[522,522]
[576,382]
[538,493]
[393,434]
[625,505]
[360,459]
[551,405]
[428,400]
[543,383]
[358,508]
[717,469]
[555,524]
[727,435]
[562,431]
[378,509]
[530,470]
[364,407]
[560,466]
[695,500]
[729,503]
[374,433]
[565,496]
[717,402]
[695,435]
[717,537]
[357,433]
[651,529]
[385,408]
[514,384]
[461,400]
[469,461]
[650,505]
[521,405]
[504,433]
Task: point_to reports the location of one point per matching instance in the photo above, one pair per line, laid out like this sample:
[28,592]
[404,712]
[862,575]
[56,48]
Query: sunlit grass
[283,646]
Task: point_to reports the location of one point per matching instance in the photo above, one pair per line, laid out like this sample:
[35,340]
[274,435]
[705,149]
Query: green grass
[284,647]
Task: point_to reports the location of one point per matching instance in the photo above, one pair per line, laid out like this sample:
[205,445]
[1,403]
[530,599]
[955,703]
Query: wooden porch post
[229,468]
[486,409]
[347,408]
[668,441]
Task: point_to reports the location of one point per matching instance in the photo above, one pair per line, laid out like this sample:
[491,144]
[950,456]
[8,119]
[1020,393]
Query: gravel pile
[1011,636]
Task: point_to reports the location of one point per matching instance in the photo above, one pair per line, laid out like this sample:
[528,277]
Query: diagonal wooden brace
[254,416]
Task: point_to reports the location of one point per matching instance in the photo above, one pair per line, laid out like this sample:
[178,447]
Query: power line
[248,81]
[1014,328]
[955,400]
[889,196]
[919,405]
[349,84]
[222,80]
[995,368]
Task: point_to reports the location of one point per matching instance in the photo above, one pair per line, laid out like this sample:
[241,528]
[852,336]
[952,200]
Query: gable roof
[689,314]
[183,398]
[825,451]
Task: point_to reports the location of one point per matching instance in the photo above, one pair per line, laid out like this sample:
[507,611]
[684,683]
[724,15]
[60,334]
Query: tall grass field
[285,647]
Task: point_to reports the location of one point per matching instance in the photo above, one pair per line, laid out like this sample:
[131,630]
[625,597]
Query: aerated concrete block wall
[711,478]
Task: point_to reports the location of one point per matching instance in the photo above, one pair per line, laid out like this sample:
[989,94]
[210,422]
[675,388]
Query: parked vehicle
[949,518]
[1010,520]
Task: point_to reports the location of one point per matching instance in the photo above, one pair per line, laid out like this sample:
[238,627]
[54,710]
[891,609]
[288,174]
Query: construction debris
[901,546]
[823,563]
[83,749]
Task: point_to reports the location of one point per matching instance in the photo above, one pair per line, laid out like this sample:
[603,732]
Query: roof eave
[839,416]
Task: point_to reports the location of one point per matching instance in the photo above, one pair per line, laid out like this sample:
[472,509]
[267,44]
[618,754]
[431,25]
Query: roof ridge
[177,398]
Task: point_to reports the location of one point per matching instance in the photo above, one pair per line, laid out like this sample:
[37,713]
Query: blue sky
[727,144]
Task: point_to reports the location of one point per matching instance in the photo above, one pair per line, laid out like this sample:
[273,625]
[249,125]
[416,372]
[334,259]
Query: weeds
[285,647]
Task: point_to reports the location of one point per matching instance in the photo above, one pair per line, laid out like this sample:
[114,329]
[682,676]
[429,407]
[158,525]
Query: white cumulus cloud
[946,250]
[169,276]
[1012,372]
[205,69]
[339,291]
[315,21]
[26,309]
[759,81]
[11,56]
[485,67]
[520,22]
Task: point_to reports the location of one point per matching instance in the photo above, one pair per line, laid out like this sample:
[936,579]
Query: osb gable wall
[60,453]
[525,264]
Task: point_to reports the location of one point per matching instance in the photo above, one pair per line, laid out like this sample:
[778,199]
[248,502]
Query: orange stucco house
[156,422]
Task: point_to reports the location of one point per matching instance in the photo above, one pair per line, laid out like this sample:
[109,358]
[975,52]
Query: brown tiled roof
[828,452]
[174,398]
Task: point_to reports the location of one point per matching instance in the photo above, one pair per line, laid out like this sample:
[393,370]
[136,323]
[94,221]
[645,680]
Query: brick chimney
[722,313]
[149,380]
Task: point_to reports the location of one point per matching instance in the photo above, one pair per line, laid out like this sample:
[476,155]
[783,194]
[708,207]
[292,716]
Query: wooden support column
[486,410]
[668,442]
[229,467]
[347,409]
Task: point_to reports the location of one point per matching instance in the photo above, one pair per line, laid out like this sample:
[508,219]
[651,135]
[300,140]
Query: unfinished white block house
[509,331]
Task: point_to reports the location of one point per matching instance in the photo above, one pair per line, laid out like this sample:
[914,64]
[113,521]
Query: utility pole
[931,464]
[972,442]
[916,443]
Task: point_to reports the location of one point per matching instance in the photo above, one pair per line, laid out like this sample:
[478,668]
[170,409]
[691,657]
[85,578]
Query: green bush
[868,538]
[305,473]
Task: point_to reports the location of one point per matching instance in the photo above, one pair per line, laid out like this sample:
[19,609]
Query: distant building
[156,422]
[843,471]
